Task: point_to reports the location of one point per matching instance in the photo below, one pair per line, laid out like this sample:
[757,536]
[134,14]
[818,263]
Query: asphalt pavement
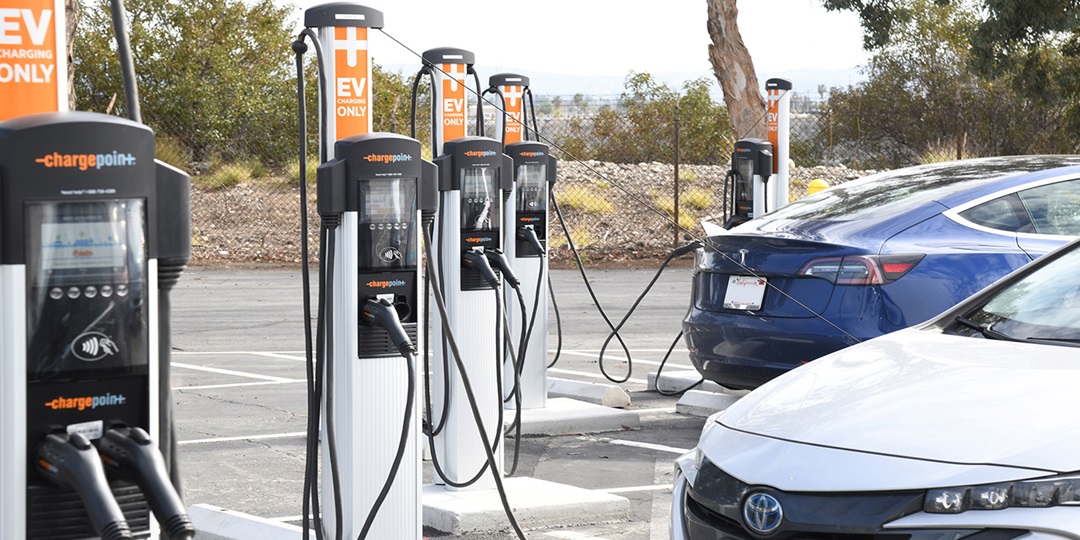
[240,400]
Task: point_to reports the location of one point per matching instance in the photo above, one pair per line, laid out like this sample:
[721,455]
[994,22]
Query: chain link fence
[631,183]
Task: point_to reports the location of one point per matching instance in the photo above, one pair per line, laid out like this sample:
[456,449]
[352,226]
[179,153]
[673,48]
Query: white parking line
[620,358]
[632,489]
[235,385]
[590,375]
[220,371]
[650,446]
[571,535]
[245,438]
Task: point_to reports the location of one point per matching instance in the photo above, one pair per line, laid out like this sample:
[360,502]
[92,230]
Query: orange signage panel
[352,91]
[512,95]
[33,64]
[453,101]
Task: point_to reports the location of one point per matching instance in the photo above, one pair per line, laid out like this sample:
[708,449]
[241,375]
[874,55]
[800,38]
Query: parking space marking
[661,506]
[650,446]
[235,385]
[220,371]
[245,438]
[632,489]
[590,375]
[596,355]
[571,535]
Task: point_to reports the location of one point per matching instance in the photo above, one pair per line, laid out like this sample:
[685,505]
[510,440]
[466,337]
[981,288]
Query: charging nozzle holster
[476,260]
[382,313]
[498,258]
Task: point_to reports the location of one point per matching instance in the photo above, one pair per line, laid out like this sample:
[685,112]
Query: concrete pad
[535,504]
[677,381]
[564,415]
[608,395]
[704,404]
[214,523]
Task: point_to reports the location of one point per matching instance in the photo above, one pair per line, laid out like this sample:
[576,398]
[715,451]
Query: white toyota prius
[966,427]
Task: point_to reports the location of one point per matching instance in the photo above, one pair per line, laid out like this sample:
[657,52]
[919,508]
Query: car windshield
[897,191]
[1044,305]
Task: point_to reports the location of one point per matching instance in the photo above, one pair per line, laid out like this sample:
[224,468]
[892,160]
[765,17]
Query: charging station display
[86,311]
[532,187]
[387,234]
[481,203]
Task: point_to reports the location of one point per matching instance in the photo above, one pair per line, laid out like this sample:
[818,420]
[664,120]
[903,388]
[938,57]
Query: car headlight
[1055,491]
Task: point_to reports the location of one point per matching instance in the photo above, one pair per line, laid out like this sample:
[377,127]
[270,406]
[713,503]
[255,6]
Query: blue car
[869,257]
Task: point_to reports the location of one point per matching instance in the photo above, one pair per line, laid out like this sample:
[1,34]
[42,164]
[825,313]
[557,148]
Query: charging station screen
[480,200]
[86,307]
[532,187]
[387,215]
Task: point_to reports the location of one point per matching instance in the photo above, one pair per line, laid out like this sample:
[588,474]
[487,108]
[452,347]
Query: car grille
[713,510]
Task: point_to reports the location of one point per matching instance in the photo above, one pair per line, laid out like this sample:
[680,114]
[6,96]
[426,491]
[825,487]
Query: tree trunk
[71,9]
[734,68]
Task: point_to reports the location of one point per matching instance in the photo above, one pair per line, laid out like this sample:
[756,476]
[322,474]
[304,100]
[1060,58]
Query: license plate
[744,292]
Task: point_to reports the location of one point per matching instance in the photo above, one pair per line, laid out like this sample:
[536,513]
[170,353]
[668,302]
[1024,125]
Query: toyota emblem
[762,513]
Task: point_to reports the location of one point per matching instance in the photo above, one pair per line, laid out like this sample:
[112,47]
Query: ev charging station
[376,190]
[88,218]
[751,168]
[474,183]
[525,238]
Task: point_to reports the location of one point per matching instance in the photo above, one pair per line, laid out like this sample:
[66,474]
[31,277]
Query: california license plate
[745,292]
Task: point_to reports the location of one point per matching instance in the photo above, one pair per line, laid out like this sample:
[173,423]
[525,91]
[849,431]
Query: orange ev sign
[32,58]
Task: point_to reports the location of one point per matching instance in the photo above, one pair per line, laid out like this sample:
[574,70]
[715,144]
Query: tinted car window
[1004,213]
[896,191]
[1054,208]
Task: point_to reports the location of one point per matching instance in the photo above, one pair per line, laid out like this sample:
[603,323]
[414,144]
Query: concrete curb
[215,523]
[608,395]
[704,404]
[563,415]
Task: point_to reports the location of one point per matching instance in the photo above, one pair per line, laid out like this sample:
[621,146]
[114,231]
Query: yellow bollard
[816,185]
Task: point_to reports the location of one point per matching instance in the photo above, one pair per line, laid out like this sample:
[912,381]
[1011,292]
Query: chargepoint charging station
[751,168]
[373,196]
[525,237]
[473,182]
[92,233]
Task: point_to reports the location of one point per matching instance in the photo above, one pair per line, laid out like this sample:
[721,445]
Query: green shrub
[222,177]
[697,198]
[173,152]
[583,199]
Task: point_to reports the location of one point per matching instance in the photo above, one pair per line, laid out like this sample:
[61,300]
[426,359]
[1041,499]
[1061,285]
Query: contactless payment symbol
[93,346]
[390,254]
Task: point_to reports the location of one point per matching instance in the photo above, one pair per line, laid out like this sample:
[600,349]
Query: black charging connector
[382,313]
[527,233]
[129,454]
[498,258]
[478,261]
[70,461]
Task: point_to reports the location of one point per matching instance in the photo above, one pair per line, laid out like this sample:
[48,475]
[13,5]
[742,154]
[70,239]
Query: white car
[966,427]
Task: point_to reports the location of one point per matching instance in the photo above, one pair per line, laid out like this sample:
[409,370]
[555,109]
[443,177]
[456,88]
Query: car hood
[925,395]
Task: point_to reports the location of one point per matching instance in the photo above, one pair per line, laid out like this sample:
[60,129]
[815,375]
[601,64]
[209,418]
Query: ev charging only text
[12,23]
[350,97]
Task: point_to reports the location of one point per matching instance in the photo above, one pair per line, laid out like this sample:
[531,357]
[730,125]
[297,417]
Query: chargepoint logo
[478,153]
[385,284]
[387,158]
[474,240]
[56,160]
[61,403]
[531,154]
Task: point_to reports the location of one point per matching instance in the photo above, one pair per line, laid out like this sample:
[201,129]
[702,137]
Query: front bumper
[852,496]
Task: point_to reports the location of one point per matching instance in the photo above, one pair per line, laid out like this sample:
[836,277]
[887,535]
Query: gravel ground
[615,212]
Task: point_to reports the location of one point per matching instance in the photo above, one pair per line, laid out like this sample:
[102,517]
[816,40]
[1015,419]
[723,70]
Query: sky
[581,40]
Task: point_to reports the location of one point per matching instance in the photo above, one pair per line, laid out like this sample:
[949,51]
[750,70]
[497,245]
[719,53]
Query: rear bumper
[745,351]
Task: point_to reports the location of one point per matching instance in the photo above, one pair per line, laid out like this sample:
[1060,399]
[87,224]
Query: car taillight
[861,269]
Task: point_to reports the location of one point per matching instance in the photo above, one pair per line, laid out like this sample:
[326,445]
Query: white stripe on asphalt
[650,446]
[571,535]
[220,371]
[235,385]
[590,375]
[245,438]
[632,489]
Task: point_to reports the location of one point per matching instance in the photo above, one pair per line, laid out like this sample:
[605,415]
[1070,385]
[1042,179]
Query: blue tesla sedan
[869,257]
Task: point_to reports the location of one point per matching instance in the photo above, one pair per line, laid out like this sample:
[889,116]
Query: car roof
[894,200]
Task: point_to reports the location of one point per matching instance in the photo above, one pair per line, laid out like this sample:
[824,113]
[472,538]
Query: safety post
[779,124]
